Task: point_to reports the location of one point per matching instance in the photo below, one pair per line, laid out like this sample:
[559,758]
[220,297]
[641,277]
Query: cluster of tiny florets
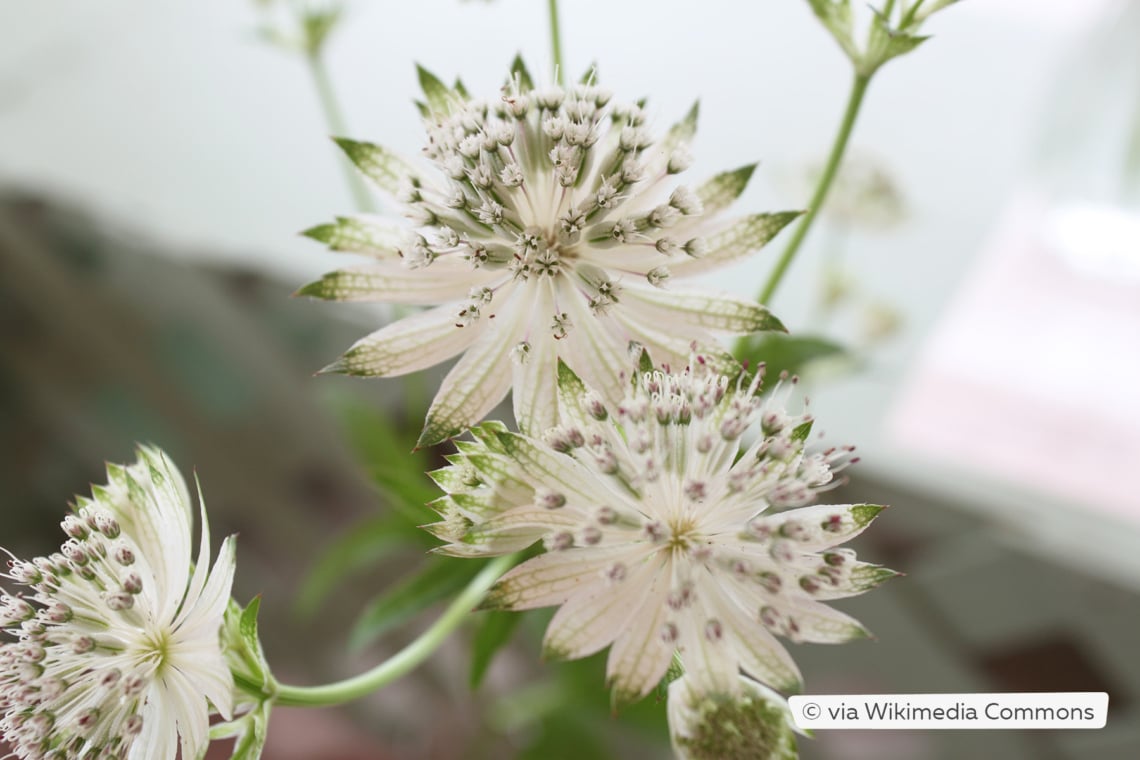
[537,177]
[69,689]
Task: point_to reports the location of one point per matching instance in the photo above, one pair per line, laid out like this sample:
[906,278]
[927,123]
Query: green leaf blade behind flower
[364,546]
[494,631]
[787,353]
[439,578]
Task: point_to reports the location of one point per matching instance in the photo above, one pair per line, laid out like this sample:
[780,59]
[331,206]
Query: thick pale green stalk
[556,43]
[838,148]
[408,658]
[336,123]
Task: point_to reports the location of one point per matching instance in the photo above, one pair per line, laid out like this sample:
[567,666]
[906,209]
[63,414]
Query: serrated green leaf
[383,167]
[439,578]
[494,631]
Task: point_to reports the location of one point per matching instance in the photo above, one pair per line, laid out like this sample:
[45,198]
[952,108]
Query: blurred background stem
[831,168]
[556,43]
[335,120]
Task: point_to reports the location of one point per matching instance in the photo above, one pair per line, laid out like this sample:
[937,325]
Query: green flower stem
[838,148]
[335,121]
[556,43]
[408,658]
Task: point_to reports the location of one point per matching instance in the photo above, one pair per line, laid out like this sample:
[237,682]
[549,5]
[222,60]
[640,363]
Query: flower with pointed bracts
[664,531]
[555,227]
[754,723]
[117,651]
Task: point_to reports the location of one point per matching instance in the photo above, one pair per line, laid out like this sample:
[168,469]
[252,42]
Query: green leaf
[720,191]
[439,96]
[243,650]
[590,75]
[359,548]
[385,449]
[644,362]
[682,132]
[439,578]
[786,353]
[886,43]
[383,167]
[519,72]
[251,741]
[494,631]
[316,26]
[837,19]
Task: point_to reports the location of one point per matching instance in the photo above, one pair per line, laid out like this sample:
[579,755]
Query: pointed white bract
[664,531]
[117,651]
[755,722]
[555,226]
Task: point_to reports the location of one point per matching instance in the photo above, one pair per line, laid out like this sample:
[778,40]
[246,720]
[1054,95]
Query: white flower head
[565,208]
[755,722]
[117,651]
[661,528]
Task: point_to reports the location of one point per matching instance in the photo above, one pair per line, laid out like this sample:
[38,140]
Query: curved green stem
[335,120]
[408,658]
[854,101]
[556,43]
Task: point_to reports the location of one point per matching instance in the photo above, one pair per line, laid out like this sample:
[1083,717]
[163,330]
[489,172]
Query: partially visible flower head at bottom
[753,724]
[117,651]
[660,524]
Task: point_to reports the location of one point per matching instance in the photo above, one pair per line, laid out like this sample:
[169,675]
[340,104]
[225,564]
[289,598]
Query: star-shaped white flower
[117,650]
[661,530]
[557,230]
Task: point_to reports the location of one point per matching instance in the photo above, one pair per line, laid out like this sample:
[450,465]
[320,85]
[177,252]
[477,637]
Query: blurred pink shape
[1032,374]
